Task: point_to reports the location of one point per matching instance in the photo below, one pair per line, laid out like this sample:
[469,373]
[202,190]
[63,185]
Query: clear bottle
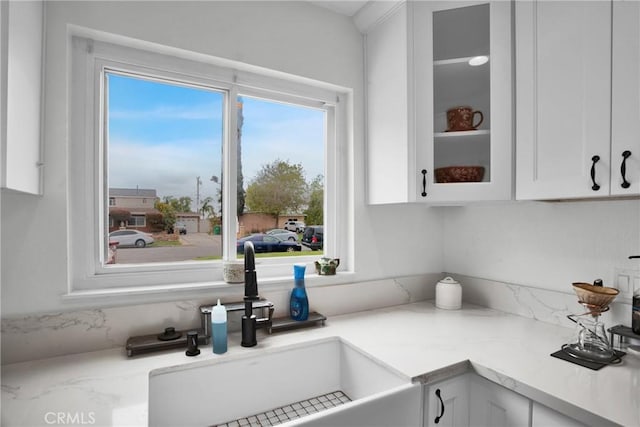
[299,303]
[219,328]
[635,313]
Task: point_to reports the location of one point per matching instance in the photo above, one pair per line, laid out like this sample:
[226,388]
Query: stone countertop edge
[107,388]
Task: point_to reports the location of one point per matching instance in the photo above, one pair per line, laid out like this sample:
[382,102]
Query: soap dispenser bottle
[635,307]
[299,304]
[219,328]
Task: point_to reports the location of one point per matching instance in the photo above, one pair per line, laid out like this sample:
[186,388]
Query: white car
[296,226]
[134,238]
[283,234]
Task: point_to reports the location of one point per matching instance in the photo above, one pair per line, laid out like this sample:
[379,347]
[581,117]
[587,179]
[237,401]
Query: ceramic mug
[461,118]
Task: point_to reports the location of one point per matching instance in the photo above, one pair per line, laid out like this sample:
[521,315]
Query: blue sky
[163,136]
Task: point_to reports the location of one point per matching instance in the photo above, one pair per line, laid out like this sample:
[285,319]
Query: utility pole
[198,184]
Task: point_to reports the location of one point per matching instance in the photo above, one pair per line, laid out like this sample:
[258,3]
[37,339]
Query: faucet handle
[266,322]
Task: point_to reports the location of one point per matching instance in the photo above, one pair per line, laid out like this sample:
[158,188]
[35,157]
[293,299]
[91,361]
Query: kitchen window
[110,81]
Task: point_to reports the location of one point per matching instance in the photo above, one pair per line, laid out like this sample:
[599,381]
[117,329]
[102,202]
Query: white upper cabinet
[418,68]
[625,115]
[462,58]
[388,121]
[567,144]
[21,30]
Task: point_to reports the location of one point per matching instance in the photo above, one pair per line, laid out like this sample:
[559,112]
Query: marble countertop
[106,388]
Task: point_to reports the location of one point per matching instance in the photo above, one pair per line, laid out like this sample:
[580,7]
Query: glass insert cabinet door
[463,116]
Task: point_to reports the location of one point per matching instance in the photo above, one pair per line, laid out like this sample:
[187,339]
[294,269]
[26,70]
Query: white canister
[233,271]
[448,294]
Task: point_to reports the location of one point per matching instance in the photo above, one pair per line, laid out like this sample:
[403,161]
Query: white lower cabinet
[496,406]
[447,403]
[471,400]
[541,416]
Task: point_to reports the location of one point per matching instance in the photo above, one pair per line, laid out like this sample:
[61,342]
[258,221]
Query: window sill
[158,293]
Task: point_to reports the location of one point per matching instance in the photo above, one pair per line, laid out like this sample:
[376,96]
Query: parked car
[180,226]
[283,234]
[313,237]
[133,238]
[297,226]
[267,243]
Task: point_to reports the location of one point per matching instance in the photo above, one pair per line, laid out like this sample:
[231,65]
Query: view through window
[165,146]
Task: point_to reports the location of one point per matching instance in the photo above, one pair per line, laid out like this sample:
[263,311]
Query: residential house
[138,203]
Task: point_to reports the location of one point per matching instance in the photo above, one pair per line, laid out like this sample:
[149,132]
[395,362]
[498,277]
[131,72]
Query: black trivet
[561,354]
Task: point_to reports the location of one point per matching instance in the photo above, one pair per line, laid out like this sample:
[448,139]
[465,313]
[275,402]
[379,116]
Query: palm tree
[207,208]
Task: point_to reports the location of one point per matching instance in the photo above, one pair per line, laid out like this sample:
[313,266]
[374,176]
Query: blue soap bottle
[299,303]
[219,328]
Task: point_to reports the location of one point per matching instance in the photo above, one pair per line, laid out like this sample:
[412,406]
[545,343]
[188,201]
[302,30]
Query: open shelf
[456,61]
[467,134]
[459,35]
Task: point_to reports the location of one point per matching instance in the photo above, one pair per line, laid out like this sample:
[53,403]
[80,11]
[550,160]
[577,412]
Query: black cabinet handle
[595,186]
[437,420]
[424,183]
[623,169]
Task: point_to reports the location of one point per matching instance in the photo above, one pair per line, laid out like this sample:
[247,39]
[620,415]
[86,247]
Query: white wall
[293,37]
[545,245]
[541,244]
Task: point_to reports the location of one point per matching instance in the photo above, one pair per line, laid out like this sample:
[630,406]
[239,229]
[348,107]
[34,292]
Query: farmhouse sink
[273,382]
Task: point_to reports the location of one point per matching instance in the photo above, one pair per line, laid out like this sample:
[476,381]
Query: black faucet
[249,325]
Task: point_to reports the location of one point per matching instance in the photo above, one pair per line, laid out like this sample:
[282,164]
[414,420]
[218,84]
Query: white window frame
[91,55]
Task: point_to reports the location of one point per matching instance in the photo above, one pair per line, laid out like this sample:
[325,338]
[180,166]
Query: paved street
[194,245]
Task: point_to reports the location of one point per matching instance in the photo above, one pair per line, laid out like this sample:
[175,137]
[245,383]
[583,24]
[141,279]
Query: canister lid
[449,281]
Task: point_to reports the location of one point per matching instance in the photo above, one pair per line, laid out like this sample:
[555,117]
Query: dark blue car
[267,243]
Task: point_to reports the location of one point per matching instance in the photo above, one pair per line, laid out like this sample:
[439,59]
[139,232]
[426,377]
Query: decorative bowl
[595,296]
[459,174]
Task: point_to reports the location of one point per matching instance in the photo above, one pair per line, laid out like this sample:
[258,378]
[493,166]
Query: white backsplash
[48,335]
[535,303]
[37,337]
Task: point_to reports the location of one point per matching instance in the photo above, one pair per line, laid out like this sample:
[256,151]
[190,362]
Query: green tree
[168,212]
[315,207]
[278,187]
[183,204]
